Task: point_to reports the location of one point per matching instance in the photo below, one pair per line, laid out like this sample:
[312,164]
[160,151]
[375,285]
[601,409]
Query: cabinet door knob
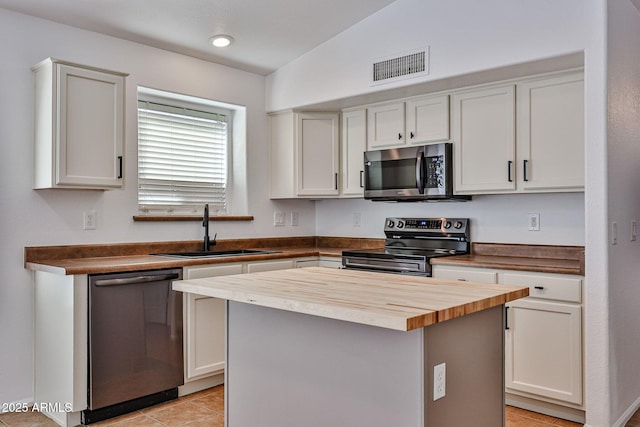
[539,287]
[524,165]
[361,179]
[336,180]
[411,135]
[399,136]
[509,165]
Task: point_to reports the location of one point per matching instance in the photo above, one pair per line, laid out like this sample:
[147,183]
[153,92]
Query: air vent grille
[403,66]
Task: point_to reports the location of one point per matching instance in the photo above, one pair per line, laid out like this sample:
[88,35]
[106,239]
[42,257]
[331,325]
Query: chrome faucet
[205,223]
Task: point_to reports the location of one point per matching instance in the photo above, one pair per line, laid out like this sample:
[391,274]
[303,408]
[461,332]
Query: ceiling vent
[408,65]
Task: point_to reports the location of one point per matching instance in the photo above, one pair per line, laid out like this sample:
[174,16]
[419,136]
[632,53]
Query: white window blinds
[182,158]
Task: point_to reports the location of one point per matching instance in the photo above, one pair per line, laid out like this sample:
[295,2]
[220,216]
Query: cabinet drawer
[199,272]
[255,267]
[466,275]
[547,287]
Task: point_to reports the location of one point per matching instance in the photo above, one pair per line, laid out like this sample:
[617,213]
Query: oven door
[411,173]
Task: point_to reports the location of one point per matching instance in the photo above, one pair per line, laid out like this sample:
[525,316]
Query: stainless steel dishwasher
[135,342]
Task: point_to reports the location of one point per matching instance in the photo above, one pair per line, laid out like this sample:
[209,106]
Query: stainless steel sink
[217,254]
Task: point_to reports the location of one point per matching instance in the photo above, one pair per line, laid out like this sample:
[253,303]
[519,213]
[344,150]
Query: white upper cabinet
[550,135]
[416,121]
[427,119]
[79,126]
[523,137]
[483,131]
[318,145]
[282,160]
[385,126]
[354,141]
[305,151]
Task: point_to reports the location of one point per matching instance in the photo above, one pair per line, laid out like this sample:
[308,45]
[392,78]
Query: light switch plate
[534,221]
[278,219]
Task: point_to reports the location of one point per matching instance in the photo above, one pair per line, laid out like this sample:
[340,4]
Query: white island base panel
[286,369]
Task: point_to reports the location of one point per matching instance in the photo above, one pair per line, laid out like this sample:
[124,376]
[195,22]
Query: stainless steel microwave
[410,173]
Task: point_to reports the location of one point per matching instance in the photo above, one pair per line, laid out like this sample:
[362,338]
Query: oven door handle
[135,280]
[372,267]
[419,168]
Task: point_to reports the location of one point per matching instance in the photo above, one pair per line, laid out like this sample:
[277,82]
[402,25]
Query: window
[183,156]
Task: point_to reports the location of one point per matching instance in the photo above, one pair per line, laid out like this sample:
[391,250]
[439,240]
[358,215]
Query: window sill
[167,218]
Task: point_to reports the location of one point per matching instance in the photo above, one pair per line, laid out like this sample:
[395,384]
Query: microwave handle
[419,169]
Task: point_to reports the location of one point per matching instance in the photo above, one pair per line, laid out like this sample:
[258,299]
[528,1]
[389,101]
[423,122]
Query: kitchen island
[325,347]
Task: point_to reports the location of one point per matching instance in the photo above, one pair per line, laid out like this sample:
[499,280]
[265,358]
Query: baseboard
[201,384]
[547,408]
[626,416]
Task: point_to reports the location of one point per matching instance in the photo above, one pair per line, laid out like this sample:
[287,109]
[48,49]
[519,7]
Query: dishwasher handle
[136,280]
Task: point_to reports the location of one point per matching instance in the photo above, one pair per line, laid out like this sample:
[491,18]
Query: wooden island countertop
[376,299]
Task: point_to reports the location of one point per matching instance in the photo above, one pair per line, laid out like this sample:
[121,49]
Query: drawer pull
[462,280]
[539,287]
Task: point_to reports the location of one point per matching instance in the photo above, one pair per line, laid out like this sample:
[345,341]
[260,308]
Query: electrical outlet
[534,221]
[439,381]
[89,218]
[294,219]
[357,219]
[278,219]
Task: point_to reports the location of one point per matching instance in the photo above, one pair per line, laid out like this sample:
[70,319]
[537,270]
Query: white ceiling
[267,33]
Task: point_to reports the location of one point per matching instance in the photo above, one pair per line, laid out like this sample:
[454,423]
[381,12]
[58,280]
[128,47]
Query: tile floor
[206,409]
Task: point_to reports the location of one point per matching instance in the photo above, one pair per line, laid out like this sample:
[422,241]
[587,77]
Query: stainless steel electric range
[409,245]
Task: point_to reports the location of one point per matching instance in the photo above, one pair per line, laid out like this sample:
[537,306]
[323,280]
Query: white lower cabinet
[204,320]
[543,339]
[204,326]
[543,334]
[543,349]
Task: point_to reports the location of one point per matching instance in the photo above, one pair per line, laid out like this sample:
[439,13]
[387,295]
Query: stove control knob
[400,224]
[447,224]
[391,224]
[458,225]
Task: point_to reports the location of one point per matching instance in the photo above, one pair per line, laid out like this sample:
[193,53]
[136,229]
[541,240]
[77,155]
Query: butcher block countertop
[121,257]
[538,258]
[384,300]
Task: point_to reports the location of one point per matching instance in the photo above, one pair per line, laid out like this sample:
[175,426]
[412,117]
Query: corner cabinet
[79,126]
[543,338]
[304,155]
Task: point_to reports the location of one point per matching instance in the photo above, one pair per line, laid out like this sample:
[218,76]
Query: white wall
[624,202]
[465,36]
[500,218]
[54,217]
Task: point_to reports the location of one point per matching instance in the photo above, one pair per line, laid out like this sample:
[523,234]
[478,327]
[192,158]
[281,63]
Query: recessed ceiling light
[221,40]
